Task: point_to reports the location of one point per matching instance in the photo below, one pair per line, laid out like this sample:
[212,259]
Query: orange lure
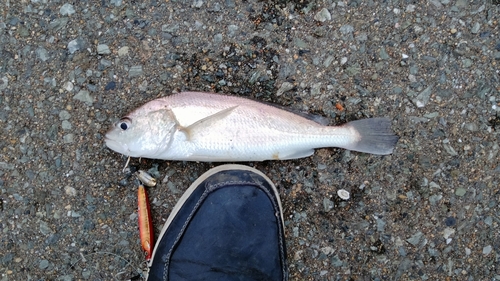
[145,223]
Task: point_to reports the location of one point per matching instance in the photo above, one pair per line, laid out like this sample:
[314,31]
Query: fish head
[145,132]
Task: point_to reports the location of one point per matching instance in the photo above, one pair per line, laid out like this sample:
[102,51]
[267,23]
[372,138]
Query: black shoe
[227,226]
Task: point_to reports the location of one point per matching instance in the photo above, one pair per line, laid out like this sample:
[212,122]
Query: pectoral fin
[194,129]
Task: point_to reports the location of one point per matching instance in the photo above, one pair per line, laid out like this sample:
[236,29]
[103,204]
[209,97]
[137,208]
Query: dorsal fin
[313,117]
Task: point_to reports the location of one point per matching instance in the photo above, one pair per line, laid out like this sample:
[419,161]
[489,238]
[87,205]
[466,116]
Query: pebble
[123,51]
[383,54]
[42,54]
[66,125]
[323,15]
[346,29]
[67,10]
[450,221]
[460,191]
[76,45]
[103,49]
[487,250]
[197,3]
[423,97]
[71,191]
[117,3]
[43,264]
[286,86]
[448,148]
[135,71]
[84,96]
[415,238]
[44,228]
[64,115]
[110,86]
[68,138]
[68,86]
[475,28]
[232,30]
[447,232]
[344,194]
[328,204]
[4,83]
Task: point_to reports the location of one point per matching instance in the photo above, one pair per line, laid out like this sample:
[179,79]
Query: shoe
[227,226]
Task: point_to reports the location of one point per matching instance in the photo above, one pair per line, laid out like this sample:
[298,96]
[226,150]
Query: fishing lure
[145,222]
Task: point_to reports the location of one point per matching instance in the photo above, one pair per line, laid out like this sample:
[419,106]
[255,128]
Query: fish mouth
[115,145]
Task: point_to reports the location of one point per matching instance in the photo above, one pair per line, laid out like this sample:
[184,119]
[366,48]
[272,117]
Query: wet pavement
[429,211]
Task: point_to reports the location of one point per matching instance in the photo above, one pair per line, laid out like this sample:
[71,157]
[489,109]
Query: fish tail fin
[375,136]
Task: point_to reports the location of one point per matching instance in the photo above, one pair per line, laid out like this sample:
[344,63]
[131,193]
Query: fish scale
[197,126]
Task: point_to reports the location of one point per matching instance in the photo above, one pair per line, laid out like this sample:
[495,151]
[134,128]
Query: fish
[209,127]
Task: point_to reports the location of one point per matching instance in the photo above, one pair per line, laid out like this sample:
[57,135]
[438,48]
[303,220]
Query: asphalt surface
[429,211]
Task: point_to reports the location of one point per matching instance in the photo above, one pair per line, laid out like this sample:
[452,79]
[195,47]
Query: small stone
[4,83]
[42,54]
[68,138]
[286,86]
[467,63]
[110,86]
[448,148]
[447,232]
[197,3]
[84,96]
[346,29]
[103,49]
[117,3]
[475,28]
[67,10]
[487,250]
[218,37]
[450,221]
[66,125]
[380,225]
[328,204]
[323,15]
[299,43]
[43,264]
[76,45]
[123,51]
[436,4]
[327,250]
[135,71]
[232,30]
[415,238]
[410,8]
[383,54]
[71,191]
[467,251]
[423,98]
[68,86]
[453,30]
[64,115]
[473,127]
[344,194]
[44,228]
[460,191]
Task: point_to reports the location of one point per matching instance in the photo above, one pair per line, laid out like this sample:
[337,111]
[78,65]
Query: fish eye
[124,124]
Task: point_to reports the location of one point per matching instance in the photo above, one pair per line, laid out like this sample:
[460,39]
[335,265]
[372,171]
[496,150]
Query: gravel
[429,211]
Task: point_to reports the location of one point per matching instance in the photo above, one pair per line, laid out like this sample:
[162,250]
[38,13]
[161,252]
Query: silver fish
[196,126]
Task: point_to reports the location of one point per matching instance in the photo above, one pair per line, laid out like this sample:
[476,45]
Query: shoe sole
[197,182]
